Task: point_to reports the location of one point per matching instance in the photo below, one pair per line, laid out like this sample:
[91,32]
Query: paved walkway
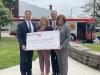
[75,68]
[6,34]
[16,69]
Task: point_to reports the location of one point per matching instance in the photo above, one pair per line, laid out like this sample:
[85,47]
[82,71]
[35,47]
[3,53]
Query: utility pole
[71,12]
[94,11]
[94,5]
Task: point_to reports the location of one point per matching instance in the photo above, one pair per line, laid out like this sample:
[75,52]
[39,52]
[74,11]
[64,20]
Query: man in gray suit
[62,54]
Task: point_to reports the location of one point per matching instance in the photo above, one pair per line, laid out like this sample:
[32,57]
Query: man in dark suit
[27,26]
[54,60]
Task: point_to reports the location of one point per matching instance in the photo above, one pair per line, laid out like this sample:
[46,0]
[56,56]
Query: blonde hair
[46,19]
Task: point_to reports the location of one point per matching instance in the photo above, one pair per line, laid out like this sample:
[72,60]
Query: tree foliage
[97,9]
[89,8]
[5,16]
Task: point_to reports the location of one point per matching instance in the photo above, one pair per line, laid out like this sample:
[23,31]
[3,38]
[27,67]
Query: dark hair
[53,11]
[28,11]
[61,16]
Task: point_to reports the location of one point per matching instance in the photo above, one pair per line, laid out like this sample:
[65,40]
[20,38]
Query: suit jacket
[65,37]
[22,29]
[50,21]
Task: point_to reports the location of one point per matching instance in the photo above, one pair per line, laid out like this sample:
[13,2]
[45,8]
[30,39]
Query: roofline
[86,20]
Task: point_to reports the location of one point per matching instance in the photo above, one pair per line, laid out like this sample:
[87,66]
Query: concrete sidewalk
[75,68]
[16,69]
[6,34]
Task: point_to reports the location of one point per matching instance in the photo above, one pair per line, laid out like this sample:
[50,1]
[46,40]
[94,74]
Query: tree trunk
[0,32]
[6,28]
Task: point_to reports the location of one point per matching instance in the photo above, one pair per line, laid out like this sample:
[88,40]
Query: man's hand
[24,47]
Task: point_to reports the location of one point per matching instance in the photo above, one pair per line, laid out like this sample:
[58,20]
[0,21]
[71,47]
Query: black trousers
[26,62]
[54,61]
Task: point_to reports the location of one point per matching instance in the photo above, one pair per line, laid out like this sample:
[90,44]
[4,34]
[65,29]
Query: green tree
[5,16]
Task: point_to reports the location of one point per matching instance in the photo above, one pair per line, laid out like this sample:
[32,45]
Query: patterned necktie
[54,25]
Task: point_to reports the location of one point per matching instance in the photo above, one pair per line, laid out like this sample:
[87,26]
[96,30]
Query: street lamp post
[50,7]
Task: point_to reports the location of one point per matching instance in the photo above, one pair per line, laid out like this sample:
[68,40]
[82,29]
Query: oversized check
[44,40]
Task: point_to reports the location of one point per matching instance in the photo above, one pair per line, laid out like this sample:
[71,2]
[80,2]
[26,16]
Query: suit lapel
[34,26]
[26,27]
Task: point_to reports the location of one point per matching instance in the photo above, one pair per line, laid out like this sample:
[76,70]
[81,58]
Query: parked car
[97,29]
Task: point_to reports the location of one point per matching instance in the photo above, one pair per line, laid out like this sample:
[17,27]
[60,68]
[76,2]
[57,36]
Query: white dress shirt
[32,28]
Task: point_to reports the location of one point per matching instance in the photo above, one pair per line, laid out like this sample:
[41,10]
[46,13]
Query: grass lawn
[97,33]
[9,52]
[93,47]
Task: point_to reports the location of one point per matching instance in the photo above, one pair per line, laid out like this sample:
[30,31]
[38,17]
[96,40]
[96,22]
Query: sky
[62,6]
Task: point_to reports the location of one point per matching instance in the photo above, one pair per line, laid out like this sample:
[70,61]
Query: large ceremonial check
[44,40]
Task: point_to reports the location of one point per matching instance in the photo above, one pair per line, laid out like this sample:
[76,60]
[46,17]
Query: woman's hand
[58,51]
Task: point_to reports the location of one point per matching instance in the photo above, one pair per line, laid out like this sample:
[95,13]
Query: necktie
[54,25]
[30,29]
